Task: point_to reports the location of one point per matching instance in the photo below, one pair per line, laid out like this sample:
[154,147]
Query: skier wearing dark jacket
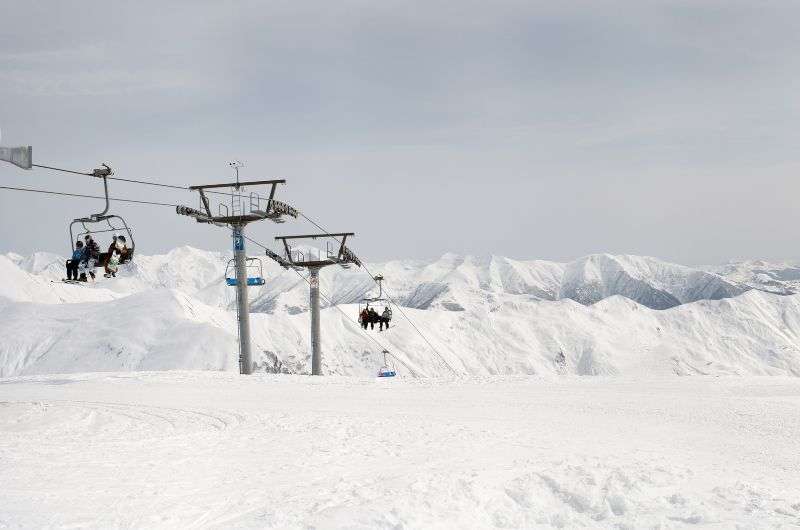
[374,317]
[92,249]
[90,256]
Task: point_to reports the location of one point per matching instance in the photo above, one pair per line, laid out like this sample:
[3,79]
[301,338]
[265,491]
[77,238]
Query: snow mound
[18,284]
[153,330]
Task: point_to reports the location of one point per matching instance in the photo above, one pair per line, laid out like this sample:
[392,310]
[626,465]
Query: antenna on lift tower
[243,210]
[335,254]
[235,164]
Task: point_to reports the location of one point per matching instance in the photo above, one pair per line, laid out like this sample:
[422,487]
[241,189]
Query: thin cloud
[523,128]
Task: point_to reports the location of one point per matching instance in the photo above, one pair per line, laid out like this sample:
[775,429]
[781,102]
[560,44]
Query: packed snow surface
[217,450]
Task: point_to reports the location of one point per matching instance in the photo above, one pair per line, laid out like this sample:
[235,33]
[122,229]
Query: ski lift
[255,273]
[367,303]
[387,370]
[103,222]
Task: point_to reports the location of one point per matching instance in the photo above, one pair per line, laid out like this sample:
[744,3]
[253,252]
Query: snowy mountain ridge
[451,282]
[601,314]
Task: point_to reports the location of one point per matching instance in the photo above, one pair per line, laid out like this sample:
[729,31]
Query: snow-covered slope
[648,281]
[780,278]
[165,450]
[18,284]
[159,329]
[601,314]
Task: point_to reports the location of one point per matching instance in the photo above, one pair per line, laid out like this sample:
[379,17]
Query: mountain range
[600,314]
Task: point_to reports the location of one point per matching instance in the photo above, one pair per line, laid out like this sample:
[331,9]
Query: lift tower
[243,210]
[337,254]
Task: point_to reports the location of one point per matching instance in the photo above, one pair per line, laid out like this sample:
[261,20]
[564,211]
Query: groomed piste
[218,450]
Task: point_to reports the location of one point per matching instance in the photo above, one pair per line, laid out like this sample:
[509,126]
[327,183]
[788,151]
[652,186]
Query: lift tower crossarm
[316,236]
[343,257]
[279,259]
[240,184]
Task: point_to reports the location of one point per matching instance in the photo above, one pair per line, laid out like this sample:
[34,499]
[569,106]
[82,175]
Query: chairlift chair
[102,222]
[387,370]
[367,303]
[255,273]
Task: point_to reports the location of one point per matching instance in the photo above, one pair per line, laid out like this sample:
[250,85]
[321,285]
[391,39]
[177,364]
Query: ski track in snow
[216,450]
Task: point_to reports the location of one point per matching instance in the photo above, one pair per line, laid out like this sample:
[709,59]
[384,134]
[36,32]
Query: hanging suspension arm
[342,248]
[279,259]
[345,254]
[103,173]
[206,204]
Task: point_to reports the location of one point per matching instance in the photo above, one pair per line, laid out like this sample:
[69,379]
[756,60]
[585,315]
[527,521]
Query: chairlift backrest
[388,369]
[113,224]
[255,272]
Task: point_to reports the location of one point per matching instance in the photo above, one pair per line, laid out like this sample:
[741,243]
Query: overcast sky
[528,129]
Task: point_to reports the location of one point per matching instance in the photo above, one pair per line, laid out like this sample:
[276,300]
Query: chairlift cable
[62,169]
[331,304]
[391,300]
[48,192]
[132,181]
[383,348]
[150,183]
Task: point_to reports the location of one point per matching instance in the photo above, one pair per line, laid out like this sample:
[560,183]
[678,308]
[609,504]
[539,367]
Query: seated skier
[118,253]
[90,257]
[386,316]
[363,318]
[112,265]
[373,318]
[72,264]
[105,256]
[125,254]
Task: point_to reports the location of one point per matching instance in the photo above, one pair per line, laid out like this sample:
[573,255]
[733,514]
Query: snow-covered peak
[649,281]
[781,277]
